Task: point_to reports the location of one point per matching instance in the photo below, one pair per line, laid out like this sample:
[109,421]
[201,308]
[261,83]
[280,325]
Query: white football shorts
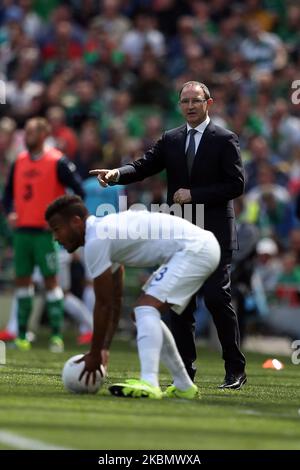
[176,281]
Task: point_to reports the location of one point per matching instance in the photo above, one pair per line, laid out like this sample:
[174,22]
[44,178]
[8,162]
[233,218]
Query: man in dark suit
[203,166]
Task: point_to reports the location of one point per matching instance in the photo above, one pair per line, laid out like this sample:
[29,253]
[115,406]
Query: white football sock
[170,357]
[79,312]
[88,298]
[12,326]
[149,342]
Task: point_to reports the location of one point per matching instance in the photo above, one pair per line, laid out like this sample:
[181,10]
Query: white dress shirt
[198,135]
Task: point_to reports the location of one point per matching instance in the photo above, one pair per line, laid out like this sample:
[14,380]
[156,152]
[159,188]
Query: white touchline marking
[266,414]
[21,442]
[250,412]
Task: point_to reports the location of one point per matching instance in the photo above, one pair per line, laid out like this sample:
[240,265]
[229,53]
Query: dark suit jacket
[217,175]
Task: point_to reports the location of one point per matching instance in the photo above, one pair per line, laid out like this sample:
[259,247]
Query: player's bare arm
[116,307]
[103,286]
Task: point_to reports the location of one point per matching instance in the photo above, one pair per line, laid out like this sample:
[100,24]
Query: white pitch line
[21,442]
[268,414]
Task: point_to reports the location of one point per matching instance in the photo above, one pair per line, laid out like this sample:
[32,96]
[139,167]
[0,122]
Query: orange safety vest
[35,186]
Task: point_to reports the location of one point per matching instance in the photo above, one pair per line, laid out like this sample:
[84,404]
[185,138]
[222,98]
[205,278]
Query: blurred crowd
[106,74]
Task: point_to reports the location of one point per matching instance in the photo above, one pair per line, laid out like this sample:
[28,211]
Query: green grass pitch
[263,415]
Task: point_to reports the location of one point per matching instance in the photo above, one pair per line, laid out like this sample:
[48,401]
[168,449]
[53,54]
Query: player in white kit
[187,255]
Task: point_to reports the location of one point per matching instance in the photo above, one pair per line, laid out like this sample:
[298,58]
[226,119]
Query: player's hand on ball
[105,176]
[92,364]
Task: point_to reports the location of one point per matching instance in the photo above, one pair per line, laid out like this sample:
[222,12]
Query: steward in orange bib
[37,177]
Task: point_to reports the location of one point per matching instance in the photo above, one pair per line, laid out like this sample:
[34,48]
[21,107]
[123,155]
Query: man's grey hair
[201,85]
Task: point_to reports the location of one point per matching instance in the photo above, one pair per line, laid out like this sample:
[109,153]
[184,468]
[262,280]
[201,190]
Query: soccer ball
[71,373]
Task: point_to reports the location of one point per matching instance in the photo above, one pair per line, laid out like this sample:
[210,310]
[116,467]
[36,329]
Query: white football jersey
[138,239]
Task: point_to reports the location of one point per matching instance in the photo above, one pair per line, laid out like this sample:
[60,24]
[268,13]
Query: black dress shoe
[234,381]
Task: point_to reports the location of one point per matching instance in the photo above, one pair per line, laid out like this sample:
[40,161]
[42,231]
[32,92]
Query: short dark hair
[41,123]
[66,206]
[201,85]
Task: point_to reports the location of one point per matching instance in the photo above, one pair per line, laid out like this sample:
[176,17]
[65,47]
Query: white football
[71,373]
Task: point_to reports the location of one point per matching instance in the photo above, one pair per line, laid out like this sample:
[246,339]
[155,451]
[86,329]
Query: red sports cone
[273,364]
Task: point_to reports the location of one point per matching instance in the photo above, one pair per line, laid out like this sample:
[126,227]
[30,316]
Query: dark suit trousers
[217,296]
